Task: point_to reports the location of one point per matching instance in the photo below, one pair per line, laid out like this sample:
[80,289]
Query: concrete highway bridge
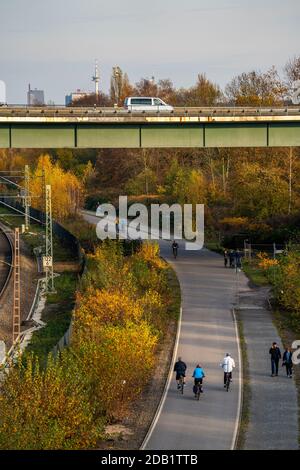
[79,127]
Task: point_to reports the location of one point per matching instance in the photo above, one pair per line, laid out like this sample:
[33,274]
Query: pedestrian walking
[231,259]
[287,361]
[275,357]
[238,259]
[225,258]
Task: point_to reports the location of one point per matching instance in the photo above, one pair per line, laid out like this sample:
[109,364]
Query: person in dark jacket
[225,258]
[180,369]
[238,259]
[288,362]
[275,357]
[231,258]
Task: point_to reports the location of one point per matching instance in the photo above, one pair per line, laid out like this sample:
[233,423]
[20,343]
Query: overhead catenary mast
[96,79]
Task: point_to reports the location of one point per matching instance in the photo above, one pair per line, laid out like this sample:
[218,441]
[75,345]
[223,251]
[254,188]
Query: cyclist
[179,368]
[228,365]
[175,248]
[198,375]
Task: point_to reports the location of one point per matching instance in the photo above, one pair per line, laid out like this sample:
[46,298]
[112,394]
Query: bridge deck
[76,127]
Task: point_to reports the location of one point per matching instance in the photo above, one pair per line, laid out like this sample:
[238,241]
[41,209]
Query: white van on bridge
[146,103]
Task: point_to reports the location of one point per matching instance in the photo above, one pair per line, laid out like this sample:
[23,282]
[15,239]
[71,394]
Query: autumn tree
[292,70]
[258,192]
[105,268]
[97,307]
[117,362]
[146,87]
[67,190]
[166,91]
[47,409]
[203,93]
[287,283]
[11,160]
[144,182]
[120,87]
[185,185]
[256,89]
[92,99]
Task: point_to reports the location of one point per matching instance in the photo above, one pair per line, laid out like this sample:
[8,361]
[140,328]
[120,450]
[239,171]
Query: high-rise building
[2,92]
[35,97]
[75,96]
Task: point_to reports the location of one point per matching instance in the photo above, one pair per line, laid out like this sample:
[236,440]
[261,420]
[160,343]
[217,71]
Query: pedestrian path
[273,405]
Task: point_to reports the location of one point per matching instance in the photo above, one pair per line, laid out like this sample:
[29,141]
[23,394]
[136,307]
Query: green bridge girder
[149,135]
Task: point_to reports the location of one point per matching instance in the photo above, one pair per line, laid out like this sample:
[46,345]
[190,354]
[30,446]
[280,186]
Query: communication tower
[96,78]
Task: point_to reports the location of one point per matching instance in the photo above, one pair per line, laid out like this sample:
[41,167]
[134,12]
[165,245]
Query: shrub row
[121,312]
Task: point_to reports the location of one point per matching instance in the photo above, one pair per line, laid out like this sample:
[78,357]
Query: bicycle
[198,390]
[227,382]
[181,384]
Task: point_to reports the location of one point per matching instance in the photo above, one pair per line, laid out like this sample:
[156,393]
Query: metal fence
[251,250]
[63,342]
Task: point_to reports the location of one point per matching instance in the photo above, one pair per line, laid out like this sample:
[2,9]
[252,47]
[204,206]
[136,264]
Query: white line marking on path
[166,389]
[239,409]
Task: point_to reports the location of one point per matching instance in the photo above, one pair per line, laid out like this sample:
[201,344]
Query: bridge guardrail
[49,111]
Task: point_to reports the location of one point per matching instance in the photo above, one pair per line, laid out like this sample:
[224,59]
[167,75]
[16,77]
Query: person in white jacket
[227,365]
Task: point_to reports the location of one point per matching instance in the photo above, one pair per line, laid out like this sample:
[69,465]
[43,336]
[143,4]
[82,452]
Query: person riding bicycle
[179,368]
[175,248]
[198,375]
[227,365]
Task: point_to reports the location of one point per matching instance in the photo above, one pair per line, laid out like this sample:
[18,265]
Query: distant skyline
[53,45]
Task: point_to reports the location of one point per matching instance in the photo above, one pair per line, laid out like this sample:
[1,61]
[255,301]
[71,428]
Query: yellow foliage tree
[96,307]
[265,262]
[117,363]
[149,252]
[47,409]
[107,269]
[287,283]
[10,161]
[67,190]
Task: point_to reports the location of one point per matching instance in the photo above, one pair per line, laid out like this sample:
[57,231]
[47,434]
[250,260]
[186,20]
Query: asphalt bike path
[207,332]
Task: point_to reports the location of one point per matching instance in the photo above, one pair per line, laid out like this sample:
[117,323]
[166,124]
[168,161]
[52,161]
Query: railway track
[6,256]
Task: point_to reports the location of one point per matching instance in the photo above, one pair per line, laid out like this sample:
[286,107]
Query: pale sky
[52,44]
